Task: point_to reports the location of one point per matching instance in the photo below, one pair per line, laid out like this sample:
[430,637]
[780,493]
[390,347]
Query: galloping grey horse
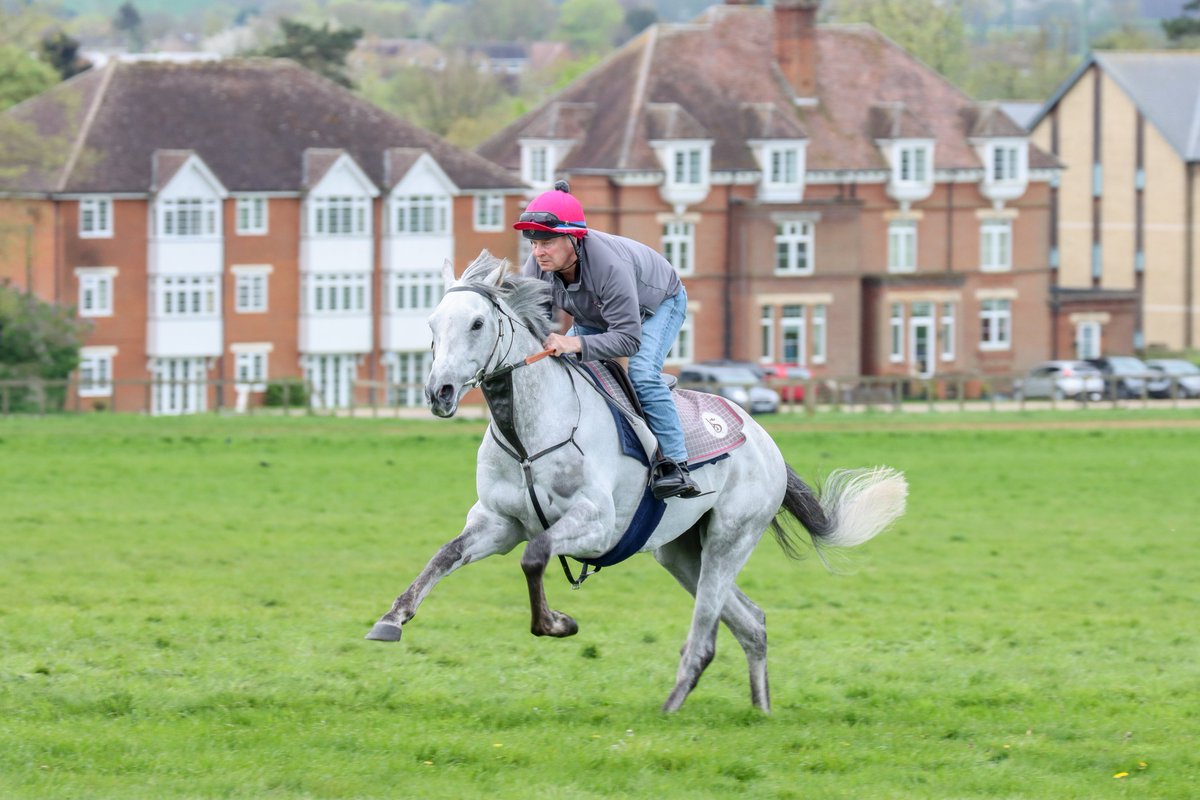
[565,488]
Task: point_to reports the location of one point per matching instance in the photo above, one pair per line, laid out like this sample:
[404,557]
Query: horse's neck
[545,404]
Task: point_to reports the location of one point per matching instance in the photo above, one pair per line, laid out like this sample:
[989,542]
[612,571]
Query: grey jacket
[621,282]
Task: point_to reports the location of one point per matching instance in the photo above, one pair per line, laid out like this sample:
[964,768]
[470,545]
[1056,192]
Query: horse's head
[493,317]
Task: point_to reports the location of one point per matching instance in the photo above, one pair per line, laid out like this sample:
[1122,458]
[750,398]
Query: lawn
[183,601]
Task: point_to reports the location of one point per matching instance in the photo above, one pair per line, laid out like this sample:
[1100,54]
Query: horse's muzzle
[442,400]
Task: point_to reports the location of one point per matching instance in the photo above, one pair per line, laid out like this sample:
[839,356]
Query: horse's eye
[477,324]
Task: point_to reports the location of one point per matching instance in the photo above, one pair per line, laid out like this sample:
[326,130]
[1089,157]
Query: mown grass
[182,605]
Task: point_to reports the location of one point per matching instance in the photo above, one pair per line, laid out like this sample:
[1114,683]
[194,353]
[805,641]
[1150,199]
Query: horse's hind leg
[682,558]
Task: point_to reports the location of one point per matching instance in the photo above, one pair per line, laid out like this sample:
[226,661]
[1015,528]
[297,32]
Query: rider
[625,300]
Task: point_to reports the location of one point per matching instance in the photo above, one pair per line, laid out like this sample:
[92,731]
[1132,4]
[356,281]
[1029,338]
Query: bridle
[483,375]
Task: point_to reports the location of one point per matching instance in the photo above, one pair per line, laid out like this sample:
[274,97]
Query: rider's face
[554,255]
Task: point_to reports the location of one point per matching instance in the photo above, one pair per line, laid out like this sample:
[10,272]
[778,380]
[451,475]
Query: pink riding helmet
[553,213]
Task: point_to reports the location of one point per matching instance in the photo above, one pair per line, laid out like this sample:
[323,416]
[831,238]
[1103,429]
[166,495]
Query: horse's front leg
[574,532]
[486,533]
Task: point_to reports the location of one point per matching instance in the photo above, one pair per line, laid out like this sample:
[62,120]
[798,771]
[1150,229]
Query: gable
[343,178]
[189,177]
[425,177]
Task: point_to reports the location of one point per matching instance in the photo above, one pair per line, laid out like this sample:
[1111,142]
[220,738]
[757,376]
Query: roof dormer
[907,145]
[547,141]
[420,196]
[338,194]
[1003,149]
[187,196]
[780,146]
[684,150]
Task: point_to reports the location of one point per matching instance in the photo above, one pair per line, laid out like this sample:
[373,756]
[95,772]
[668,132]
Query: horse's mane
[529,299]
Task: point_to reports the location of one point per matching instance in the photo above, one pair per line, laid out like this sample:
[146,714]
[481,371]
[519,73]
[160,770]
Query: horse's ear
[447,273]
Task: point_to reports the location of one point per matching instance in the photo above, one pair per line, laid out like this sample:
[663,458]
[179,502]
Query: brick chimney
[796,44]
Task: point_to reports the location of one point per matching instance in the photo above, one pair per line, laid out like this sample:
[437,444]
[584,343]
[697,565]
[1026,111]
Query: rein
[498,392]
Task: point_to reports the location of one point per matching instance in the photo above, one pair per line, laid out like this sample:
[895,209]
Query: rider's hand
[563,345]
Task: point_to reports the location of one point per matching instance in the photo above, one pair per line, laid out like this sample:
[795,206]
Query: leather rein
[498,392]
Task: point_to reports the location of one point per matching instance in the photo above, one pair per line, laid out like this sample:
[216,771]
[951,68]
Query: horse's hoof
[384,632]
[559,626]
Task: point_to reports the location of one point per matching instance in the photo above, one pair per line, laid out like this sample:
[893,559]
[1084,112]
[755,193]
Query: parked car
[1124,376]
[738,384]
[792,375]
[1181,377]
[1060,380]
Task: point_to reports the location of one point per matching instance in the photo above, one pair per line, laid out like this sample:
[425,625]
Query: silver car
[739,384]
[1060,380]
[1173,374]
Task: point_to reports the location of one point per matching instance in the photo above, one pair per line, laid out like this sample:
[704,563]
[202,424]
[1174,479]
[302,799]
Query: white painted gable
[425,177]
[193,179]
[345,179]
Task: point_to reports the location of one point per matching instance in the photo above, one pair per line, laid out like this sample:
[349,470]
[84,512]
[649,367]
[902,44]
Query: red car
[786,379]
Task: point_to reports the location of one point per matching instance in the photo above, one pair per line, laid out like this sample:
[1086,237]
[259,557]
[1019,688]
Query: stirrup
[671,479]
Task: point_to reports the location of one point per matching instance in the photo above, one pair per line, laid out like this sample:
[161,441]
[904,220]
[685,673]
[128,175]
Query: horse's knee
[536,555]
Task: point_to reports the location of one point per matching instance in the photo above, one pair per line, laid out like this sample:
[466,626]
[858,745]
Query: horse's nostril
[446,393]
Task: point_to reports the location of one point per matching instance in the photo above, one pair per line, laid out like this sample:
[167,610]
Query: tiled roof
[715,68]
[250,120]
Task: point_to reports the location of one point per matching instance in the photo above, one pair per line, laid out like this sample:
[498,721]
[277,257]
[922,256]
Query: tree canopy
[323,49]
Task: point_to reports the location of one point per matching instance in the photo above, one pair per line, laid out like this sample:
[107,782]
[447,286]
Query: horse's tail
[850,507]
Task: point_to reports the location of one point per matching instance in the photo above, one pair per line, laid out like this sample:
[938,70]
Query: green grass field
[183,601]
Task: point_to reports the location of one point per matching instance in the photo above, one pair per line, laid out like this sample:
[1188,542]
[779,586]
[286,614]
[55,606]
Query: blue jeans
[645,371]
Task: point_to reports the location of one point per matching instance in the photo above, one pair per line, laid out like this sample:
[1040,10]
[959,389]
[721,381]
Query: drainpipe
[1189,258]
[727,299]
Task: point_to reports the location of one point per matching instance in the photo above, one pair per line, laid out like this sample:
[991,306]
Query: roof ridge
[89,118]
[636,102]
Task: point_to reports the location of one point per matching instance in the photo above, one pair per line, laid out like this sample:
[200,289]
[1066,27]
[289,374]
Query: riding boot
[672,479]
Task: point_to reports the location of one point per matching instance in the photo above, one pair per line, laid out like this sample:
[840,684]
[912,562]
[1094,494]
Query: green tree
[37,340]
[323,49]
[129,22]
[61,52]
[589,26]
[437,101]
[1184,29]
[22,76]
[928,29]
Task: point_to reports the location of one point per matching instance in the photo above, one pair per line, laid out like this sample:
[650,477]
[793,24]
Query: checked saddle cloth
[711,428]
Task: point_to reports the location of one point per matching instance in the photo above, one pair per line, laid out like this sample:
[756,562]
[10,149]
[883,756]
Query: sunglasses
[541,218]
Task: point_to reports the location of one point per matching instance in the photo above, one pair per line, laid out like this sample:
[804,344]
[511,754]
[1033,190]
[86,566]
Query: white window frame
[187,217]
[995,318]
[421,215]
[539,164]
[1005,165]
[96,286]
[251,289]
[792,323]
[896,332]
[336,216]
[783,166]
[1088,332]
[820,333]
[688,166]
[251,215]
[684,348]
[489,212]
[914,164]
[96,218]
[96,371]
[946,332]
[679,245]
[250,368]
[794,250]
[187,296]
[337,294]
[767,326]
[995,245]
[415,291]
[902,245]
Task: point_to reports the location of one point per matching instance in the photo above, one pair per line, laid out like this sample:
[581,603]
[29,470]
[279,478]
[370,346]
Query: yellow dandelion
[1142,765]
[1121,775]
[497,744]
[429,763]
